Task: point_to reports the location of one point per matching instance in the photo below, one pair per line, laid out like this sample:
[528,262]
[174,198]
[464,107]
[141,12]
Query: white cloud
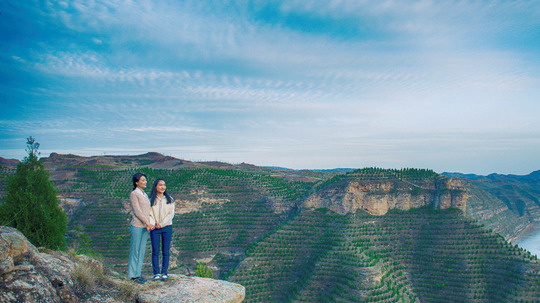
[18,59]
[229,82]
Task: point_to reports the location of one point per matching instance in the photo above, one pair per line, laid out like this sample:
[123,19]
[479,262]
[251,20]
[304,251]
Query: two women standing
[153,218]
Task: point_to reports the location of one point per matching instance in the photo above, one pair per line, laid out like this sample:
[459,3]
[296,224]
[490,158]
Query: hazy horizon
[449,86]
[266,166]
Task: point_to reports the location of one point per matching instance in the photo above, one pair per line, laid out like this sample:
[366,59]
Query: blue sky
[446,85]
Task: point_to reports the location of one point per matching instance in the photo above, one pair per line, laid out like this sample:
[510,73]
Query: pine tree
[30,203]
[203,271]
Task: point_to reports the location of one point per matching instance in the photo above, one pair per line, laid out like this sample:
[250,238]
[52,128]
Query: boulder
[27,275]
[193,289]
[14,247]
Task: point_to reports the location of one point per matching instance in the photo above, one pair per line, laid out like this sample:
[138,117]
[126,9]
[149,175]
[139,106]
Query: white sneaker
[157,277]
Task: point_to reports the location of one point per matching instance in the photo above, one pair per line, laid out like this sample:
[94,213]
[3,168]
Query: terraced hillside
[507,204]
[250,225]
[219,209]
[416,256]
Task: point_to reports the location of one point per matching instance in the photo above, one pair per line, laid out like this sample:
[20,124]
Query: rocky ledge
[191,289]
[28,274]
[378,197]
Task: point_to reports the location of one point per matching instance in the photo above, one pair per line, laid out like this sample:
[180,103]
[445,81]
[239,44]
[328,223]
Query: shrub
[204,271]
[30,203]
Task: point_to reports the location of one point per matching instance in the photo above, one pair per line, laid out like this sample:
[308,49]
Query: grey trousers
[139,236]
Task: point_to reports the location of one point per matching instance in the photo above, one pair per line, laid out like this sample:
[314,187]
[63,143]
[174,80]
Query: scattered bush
[203,271]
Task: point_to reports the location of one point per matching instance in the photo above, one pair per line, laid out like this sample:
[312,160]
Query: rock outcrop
[27,275]
[377,197]
[190,289]
[30,275]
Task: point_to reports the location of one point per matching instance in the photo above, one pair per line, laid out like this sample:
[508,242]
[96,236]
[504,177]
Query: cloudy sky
[448,85]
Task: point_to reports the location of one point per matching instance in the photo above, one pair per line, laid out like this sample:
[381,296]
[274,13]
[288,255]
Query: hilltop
[367,235]
[8,162]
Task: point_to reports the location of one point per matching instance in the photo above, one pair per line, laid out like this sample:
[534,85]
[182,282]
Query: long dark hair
[153,194]
[137,177]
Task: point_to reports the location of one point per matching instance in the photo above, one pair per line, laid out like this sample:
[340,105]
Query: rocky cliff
[30,275]
[351,193]
[507,204]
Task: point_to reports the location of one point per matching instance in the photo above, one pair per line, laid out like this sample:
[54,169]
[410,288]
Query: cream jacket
[140,209]
[163,212]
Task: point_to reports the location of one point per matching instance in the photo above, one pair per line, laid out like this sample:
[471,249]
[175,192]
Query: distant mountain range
[532,178]
[331,170]
[160,158]
[508,204]
[519,178]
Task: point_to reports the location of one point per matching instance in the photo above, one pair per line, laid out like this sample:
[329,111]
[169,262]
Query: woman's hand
[149,227]
[158,226]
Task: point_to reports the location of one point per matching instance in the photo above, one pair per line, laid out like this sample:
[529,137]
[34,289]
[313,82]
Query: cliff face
[507,204]
[377,197]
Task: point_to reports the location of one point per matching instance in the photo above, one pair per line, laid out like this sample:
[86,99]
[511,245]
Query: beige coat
[140,209]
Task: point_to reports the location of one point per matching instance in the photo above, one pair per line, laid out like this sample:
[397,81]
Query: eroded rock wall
[377,197]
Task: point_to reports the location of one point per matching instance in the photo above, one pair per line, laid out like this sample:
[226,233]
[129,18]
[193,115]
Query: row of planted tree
[421,255]
[245,217]
[309,256]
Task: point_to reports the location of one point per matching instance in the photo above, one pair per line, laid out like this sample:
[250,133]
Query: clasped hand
[150,227]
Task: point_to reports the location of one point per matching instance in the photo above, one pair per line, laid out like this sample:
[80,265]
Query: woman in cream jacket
[163,212]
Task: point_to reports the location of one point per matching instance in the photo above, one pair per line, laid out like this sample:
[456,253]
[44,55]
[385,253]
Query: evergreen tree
[30,203]
[203,271]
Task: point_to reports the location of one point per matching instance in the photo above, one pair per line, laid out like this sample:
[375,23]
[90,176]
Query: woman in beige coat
[142,223]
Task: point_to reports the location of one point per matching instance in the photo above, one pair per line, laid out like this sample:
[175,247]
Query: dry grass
[87,276]
[126,290]
[91,277]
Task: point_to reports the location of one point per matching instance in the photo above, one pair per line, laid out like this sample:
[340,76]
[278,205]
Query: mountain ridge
[520,212]
[533,176]
[159,157]
[500,201]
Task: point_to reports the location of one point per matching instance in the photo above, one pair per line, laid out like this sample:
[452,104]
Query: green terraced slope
[231,209]
[415,256]
[507,204]
[249,226]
